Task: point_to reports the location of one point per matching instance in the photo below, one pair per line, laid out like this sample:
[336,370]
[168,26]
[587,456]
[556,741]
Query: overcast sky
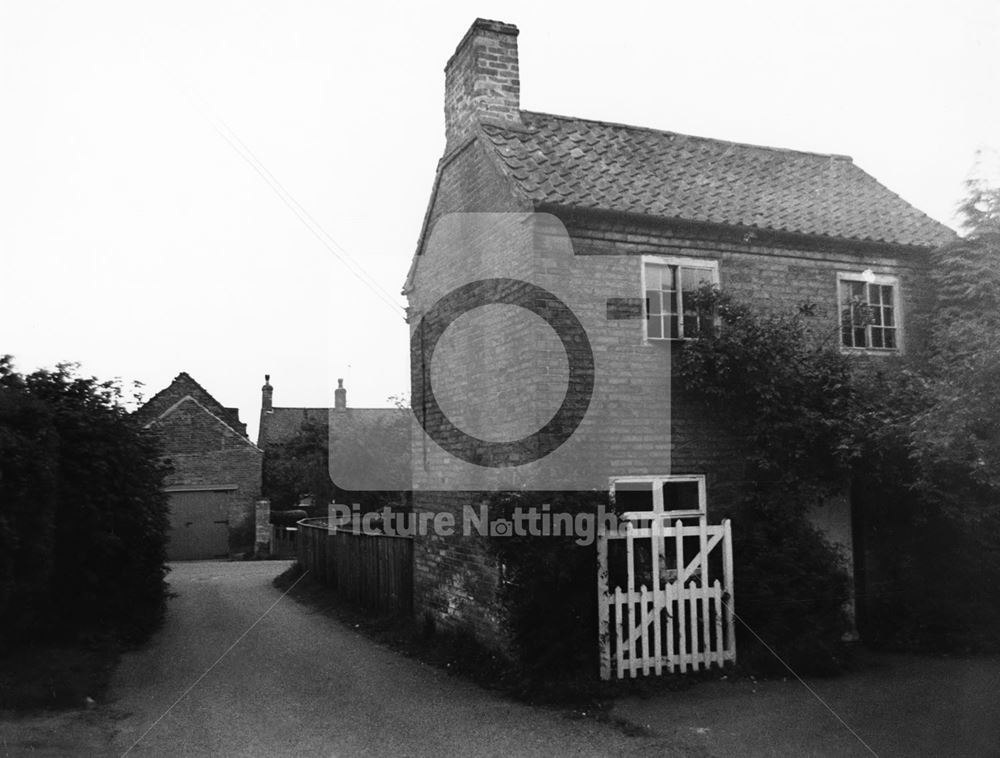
[137,241]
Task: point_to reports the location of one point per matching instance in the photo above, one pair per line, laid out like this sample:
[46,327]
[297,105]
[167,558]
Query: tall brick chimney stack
[340,397]
[266,394]
[481,80]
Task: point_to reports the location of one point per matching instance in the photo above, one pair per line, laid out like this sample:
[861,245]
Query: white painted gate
[678,619]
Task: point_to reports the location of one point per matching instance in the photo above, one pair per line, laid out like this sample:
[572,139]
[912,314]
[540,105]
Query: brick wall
[181,387]
[205,451]
[455,578]
[481,79]
[637,424]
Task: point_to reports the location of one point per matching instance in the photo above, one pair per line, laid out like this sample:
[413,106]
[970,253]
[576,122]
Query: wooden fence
[372,571]
[283,542]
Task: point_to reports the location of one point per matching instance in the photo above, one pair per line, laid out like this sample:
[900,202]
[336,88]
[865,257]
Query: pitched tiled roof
[360,439]
[281,424]
[582,164]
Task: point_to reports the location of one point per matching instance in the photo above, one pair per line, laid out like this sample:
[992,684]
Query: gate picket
[682,653]
[619,648]
[657,597]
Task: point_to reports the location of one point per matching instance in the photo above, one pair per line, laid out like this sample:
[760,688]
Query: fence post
[262,528]
[727,578]
[603,616]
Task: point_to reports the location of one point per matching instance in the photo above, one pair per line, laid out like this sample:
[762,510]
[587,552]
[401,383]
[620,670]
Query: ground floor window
[642,497]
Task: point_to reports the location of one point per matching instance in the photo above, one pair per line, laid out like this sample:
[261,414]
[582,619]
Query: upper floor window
[669,285]
[869,311]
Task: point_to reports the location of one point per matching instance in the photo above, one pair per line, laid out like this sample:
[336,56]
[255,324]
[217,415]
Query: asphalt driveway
[239,671]
[891,705]
[301,684]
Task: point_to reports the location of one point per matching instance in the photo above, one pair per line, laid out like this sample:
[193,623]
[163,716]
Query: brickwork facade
[206,451]
[481,80]
[636,424]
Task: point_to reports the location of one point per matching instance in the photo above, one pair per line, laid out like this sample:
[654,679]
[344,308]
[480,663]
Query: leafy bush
[930,511]
[790,397]
[917,440]
[548,592]
[91,559]
[28,460]
[928,480]
[790,594]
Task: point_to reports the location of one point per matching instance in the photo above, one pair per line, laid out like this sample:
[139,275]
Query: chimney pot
[340,396]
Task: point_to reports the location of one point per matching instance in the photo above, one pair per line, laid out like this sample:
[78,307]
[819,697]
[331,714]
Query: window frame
[882,280]
[680,262]
[657,481]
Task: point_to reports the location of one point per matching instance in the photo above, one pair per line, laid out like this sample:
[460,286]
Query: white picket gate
[681,620]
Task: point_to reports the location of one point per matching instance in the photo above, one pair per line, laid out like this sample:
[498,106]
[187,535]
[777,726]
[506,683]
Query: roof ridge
[579,163]
[634,127]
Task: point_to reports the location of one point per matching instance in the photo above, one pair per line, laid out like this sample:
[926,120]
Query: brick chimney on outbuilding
[340,397]
[481,80]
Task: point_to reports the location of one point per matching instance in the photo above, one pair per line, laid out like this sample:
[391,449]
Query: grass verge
[40,676]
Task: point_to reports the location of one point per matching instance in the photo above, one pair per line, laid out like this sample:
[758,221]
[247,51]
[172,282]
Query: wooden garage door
[199,525]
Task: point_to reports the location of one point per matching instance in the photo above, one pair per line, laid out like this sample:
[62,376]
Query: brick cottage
[622,223]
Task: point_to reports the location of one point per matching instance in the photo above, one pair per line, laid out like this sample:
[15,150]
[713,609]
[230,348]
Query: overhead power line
[314,227]
[304,216]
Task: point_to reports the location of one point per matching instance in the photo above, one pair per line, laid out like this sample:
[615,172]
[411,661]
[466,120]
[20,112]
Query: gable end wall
[205,452]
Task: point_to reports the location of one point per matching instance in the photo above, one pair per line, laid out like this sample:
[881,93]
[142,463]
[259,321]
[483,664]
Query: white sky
[136,241]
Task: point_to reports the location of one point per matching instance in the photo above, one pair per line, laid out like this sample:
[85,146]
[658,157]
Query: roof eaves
[734,230]
[489,149]
[425,226]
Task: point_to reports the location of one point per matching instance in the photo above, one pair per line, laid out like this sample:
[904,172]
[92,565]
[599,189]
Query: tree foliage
[83,517]
[961,430]
[918,438]
[932,484]
[793,398]
[790,398]
[300,466]
[546,592]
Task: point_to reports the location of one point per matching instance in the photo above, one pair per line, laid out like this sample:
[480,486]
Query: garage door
[199,525]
